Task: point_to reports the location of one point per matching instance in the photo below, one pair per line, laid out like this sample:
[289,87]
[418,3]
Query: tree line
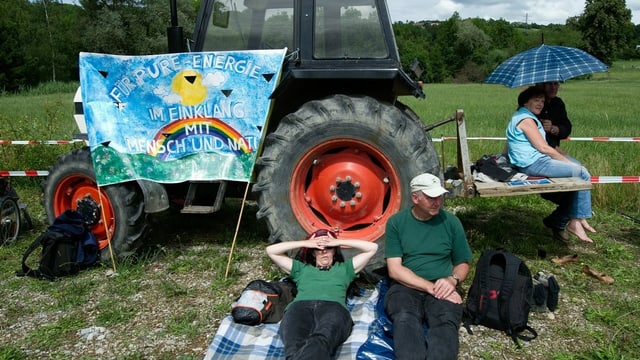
[40,39]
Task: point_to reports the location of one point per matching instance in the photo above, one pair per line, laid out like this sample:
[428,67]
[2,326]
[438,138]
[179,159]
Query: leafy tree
[471,47]
[40,39]
[132,27]
[444,51]
[413,43]
[502,33]
[563,35]
[15,18]
[53,50]
[606,28]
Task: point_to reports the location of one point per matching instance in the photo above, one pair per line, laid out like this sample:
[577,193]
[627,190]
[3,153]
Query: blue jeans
[546,166]
[408,309]
[314,329]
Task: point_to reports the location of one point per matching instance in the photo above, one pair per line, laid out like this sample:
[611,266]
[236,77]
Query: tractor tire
[342,163]
[122,214]
[9,220]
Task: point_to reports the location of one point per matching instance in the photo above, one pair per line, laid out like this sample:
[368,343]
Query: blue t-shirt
[521,152]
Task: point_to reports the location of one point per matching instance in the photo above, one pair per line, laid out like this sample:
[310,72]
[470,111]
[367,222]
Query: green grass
[43,113]
[153,284]
[605,105]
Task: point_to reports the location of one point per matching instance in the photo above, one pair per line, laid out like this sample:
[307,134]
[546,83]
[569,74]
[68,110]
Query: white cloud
[541,12]
[214,79]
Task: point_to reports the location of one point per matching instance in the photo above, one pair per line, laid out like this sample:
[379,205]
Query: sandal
[565,259]
[598,275]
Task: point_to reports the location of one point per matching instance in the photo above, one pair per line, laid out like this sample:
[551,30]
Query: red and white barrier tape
[25,173]
[615,179]
[605,139]
[594,179]
[597,139]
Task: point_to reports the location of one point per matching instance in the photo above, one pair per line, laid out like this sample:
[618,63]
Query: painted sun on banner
[177,117]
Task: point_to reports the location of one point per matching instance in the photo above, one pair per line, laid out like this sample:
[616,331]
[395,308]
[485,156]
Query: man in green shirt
[427,257]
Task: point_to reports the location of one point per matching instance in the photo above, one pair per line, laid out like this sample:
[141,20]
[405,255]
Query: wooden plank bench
[527,187]
[470,188]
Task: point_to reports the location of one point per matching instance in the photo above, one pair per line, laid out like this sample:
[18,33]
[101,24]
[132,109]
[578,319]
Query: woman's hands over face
[322,242]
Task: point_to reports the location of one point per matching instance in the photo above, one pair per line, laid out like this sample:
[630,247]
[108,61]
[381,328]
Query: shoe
[546,292]
[598,275]
[553,293]
[565,259]
[539,296]
[559,234]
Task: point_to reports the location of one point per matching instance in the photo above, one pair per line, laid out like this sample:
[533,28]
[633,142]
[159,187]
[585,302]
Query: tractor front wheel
[342,163]
[122,216]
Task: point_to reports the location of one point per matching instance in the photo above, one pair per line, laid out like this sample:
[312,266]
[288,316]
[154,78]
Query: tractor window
[348,31]
[250,25]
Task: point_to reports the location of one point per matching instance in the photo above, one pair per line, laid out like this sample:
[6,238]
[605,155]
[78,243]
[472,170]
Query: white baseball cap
[428,184]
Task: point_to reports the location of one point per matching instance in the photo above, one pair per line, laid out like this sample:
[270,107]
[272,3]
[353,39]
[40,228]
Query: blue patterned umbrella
[545,63]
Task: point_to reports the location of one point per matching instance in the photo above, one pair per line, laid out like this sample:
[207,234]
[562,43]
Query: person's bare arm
[367,250]
[278,252]
[528,126]
[461,270]
[406,277]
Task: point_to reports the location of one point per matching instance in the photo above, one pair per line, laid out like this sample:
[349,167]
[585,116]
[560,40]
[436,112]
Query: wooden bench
[467,187]
[527,187]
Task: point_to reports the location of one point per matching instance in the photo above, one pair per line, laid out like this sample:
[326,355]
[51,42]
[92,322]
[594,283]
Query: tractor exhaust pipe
[175,36]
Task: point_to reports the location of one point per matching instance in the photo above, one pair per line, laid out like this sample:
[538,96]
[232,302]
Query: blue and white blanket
[237,341]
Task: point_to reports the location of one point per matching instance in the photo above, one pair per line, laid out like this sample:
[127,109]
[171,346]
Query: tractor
[340,149]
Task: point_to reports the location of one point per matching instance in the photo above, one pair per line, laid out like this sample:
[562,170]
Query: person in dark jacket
[557,127]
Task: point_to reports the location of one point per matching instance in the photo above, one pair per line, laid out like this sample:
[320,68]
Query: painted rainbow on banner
[177,130]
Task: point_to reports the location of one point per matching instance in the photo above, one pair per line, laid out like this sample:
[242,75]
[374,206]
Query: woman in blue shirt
[529,151]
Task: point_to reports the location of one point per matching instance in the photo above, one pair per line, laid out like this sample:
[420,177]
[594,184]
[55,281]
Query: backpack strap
[515,336]
[26,270]
[483,282]
[511,271]
[483,263]
[534,334]
[506,291]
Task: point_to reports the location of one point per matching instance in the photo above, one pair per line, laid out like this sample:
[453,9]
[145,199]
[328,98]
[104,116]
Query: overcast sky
[542,12]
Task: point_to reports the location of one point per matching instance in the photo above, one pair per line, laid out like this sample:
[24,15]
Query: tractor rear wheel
[122,215]
[342,163]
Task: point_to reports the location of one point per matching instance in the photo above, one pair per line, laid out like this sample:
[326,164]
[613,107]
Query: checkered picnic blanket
[243,342]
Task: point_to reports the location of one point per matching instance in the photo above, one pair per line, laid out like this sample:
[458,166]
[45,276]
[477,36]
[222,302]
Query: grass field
[594,320]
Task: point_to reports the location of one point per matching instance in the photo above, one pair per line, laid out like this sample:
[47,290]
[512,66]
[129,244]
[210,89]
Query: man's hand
[547,125]
[445,289]
[454,298]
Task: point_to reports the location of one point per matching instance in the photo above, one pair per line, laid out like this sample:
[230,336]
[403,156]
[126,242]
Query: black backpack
[501,295]
[263,301]
[67,247]
[496,166]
